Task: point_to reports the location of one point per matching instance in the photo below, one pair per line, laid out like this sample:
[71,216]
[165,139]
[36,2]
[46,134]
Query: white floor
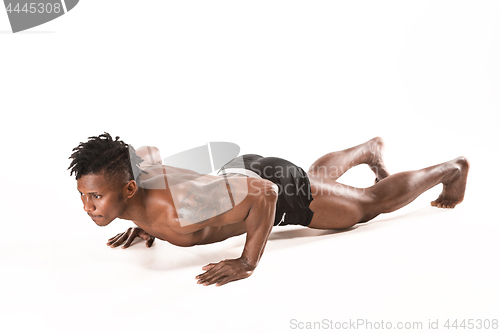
[294,81]
[414,265]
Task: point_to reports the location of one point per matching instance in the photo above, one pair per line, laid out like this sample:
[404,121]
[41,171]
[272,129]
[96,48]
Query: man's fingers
[207,267]
[129,236]
[122,237]
[113,238]
[144,235]
[223,281]
[212,275]
[129,241]
[217,278]
[224,272]
[208,274]
[116,241]
[211,279]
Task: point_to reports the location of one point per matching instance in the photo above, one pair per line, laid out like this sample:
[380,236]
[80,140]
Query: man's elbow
[273,193]
[269,194]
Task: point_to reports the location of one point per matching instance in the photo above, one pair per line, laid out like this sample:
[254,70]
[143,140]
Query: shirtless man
[259,198]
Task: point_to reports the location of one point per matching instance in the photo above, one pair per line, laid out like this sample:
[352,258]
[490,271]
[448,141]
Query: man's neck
[136,208]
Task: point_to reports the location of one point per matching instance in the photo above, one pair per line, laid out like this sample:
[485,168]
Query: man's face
[102,198]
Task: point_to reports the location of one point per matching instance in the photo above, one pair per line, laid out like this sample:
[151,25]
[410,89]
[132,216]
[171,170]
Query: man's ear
[130,189]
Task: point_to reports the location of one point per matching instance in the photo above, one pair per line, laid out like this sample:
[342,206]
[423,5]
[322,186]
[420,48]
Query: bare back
[188,208]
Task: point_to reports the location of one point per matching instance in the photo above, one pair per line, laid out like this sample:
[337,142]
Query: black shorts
[294,194]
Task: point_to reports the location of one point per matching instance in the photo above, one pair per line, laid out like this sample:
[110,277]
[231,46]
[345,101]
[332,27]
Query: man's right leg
[338,206]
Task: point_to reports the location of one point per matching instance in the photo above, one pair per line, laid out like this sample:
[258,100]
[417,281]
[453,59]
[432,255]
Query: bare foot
[376,161]
[454,187]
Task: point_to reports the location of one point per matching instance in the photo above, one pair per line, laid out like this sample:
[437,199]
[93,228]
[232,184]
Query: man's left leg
[338,206]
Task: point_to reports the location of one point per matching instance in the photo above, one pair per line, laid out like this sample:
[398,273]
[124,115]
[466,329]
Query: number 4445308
[472,324]
[34,7]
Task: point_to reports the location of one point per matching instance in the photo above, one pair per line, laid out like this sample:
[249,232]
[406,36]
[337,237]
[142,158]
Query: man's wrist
[251,264]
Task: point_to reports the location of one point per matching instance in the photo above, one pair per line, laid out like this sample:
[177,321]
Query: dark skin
[153,211]
[335,205]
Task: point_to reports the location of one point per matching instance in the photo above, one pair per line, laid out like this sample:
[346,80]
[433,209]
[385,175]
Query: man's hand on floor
[129,236]
[225,271]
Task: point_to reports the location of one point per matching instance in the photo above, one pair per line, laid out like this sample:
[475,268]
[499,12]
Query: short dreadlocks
[103,154]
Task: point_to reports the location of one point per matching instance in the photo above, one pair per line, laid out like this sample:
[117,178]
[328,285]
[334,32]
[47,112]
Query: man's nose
[88,206]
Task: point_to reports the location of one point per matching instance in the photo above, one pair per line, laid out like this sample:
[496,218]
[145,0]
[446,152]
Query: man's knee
[370,206]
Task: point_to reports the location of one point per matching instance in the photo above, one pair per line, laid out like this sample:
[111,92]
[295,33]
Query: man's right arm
[258,224]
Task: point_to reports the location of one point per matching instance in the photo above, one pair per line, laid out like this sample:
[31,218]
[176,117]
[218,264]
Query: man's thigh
[338,206]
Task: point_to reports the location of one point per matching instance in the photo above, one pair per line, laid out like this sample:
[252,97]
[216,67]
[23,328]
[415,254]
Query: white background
[294,79]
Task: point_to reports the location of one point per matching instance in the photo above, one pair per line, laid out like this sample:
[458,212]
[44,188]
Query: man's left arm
[258,223]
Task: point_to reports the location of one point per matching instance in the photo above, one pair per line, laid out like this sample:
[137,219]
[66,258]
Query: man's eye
[97,196]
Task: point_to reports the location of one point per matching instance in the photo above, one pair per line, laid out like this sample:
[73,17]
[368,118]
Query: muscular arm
[253,213]
[258,223]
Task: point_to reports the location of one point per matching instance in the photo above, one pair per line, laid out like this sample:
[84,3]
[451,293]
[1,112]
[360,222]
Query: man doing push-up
[185,208]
